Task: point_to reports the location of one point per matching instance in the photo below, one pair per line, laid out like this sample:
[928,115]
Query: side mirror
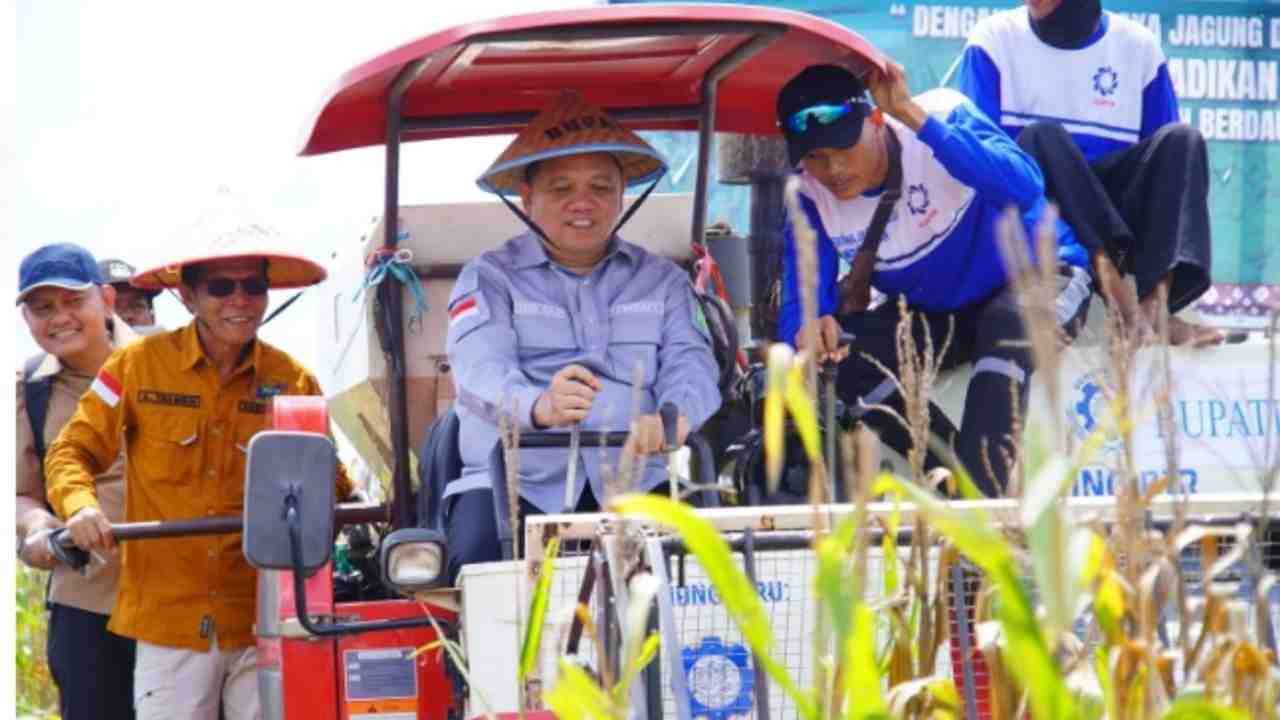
[288,524]
[413,559]
[289,489]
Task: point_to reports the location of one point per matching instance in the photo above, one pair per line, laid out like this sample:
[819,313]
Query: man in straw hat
[911,202]
[185,404]
[569,324]
[67,307]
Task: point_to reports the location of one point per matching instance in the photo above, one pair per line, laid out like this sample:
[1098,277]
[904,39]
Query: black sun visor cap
[118,272]
[823,106]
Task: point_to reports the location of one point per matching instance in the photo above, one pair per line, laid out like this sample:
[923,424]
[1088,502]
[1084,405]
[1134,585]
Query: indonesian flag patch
[468,307]
[108,388]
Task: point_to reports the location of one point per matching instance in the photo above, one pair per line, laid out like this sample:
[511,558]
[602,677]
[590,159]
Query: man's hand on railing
[648,434]
[90,529]
[831,346]
[34,549]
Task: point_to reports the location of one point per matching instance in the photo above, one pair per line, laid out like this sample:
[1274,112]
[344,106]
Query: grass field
[37,696]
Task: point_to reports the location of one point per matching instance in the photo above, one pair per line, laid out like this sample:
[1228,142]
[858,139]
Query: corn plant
[37,696]
[1113,581]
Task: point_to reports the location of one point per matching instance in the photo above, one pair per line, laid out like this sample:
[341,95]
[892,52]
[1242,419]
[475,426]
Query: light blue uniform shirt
[517,318]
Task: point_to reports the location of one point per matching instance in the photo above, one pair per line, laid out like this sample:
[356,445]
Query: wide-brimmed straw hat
[572,126]
[229,231]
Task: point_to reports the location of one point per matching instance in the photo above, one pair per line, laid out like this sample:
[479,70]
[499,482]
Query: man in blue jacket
[569,324]
[1131,180]
[939,174]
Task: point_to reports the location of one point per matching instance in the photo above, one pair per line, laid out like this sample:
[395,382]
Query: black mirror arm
[294,523]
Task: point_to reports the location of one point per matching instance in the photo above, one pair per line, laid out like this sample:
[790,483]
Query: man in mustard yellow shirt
[185,403]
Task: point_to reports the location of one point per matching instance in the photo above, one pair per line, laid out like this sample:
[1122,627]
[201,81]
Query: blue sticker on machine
[380,674]
[719,679]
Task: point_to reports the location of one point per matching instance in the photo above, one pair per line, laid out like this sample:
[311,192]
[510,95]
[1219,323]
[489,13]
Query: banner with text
[1224,58]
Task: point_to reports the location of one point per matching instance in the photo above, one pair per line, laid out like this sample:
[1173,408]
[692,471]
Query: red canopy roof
[516,64]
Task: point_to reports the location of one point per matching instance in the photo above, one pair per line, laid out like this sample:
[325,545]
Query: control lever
[571,476]
[827,373]
[670,416]
[65,550]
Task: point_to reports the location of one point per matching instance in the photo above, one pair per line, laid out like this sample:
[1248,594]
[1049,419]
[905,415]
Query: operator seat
[439,461]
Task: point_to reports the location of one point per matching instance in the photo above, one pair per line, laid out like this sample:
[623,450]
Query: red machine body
[382,675]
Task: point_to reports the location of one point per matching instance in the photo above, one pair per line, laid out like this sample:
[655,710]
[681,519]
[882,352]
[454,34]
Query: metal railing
[705,668]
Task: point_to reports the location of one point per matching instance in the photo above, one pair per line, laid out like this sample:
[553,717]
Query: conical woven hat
[229,231]
[572,126]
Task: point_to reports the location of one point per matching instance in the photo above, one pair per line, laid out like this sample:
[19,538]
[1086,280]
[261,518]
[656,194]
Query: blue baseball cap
[61,265]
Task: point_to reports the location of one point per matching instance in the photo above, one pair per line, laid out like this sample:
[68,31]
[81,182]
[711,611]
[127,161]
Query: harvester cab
[393,648]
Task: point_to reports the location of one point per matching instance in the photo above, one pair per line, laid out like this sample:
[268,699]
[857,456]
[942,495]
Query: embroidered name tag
[644,307]
[157,397]
[249,406]
[266,391]
[524,307]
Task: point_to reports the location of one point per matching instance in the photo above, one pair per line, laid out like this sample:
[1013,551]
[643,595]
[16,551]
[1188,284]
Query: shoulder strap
[36,394]
[855,287]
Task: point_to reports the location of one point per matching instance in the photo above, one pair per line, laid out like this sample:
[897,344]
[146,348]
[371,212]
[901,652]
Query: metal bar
[587,439]
[228,524]
[778,541]
[765,34]
[358,514]
[766,249]
[224,525]
[489,121]
[571,477]
[783,540]
[439,271]
[584,599]
[670,632]
[706,133]
[761,686]
[1218,508]
[619,598]
[653,671]
[604,622]
[392,296]
[578,33]
[960,606]
[323,629]
[828,374]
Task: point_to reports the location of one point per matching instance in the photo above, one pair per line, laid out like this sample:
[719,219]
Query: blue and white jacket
[939,249]
[1109,94]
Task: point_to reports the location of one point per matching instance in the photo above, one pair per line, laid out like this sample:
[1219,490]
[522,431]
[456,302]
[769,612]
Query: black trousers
[991,335]
[1147,206]
[471,530]
[92,666]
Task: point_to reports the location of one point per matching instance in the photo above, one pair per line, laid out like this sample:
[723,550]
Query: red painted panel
[433,692]
[309,666]
[981,676]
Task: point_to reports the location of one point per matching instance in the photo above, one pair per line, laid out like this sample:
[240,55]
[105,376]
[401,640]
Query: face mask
[1070,25]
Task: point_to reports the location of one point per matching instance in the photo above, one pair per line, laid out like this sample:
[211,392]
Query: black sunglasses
[221,287]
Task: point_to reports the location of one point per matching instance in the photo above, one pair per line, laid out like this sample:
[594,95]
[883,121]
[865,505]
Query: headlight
[415,564]
[413,559]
